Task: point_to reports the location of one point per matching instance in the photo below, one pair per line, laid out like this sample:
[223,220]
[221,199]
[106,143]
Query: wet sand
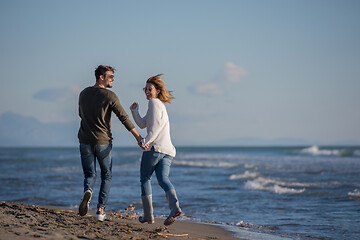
[22,221]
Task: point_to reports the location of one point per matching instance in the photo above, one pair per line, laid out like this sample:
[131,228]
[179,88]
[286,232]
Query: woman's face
[151,91]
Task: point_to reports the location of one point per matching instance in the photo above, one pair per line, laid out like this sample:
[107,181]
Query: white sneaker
[84,205]
[100,216]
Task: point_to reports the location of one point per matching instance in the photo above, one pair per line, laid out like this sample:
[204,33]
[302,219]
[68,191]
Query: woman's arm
[141,122]
[154,116]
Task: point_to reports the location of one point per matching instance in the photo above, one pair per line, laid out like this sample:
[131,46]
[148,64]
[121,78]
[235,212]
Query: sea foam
[314,150]
[355,193]
[258,182]
[271,185]
[245,175]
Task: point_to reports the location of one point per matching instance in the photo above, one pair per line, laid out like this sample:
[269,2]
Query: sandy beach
[22,221]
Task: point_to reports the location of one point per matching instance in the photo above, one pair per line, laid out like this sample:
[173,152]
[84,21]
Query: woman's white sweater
[157,125]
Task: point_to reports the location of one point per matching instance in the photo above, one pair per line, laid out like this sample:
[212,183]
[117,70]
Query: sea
[305,192]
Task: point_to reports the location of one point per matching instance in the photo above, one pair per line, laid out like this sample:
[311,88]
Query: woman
[159,151]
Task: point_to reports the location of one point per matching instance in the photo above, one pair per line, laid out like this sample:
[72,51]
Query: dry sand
[21,221]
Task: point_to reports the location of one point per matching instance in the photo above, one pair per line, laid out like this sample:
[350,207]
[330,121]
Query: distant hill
[19,130]
[253,141]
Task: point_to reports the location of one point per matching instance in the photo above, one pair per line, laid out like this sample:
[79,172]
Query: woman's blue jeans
[89,154]
[160,163]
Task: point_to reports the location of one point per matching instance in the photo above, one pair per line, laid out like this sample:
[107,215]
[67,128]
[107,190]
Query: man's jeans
[160,163]
[89,154]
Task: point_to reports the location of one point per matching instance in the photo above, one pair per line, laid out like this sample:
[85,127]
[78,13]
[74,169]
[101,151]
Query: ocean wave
[245,175]
[273,185]
[262,183]
[254,166]
[316,151]
[355,193]
[258,184]
[241,224]
[206,164]
[253,226]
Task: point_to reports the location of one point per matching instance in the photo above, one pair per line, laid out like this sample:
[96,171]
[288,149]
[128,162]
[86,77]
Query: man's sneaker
[84,205]
[100,215]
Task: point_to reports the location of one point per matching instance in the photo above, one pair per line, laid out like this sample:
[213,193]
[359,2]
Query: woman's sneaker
[100,215]
[84,205]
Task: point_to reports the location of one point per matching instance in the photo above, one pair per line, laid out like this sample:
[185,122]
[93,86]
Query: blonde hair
[164,95]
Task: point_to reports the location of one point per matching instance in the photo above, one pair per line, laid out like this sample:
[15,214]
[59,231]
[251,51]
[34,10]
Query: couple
[96,105]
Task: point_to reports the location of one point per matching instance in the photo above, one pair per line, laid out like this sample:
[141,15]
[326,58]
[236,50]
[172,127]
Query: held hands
[140,141]
[140,145]
[144,147]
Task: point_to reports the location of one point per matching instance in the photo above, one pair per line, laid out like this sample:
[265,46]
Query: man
[96,105]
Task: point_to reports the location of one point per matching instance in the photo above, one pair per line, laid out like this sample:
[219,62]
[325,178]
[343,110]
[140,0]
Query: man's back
[95,108]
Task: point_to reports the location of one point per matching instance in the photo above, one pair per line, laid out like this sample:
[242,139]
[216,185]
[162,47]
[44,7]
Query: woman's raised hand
[134,106]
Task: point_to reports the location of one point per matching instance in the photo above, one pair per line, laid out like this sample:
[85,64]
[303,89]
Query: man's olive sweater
[95,108]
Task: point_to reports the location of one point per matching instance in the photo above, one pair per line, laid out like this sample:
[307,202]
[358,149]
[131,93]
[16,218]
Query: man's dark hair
[101,70]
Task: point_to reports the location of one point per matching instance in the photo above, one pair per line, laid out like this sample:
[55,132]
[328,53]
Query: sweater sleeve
[121,114]
[154,116]
[141,122]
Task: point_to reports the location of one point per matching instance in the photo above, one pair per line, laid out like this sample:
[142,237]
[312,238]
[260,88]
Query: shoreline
[25,221]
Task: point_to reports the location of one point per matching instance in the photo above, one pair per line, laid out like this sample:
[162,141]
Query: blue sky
[238,69]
